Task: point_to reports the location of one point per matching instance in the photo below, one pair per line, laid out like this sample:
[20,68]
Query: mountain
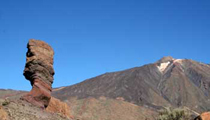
[168,82]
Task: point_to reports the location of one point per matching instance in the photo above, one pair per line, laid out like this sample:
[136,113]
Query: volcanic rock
[203,116]
[56,106]
[39,71]
[3,114]
[165,59]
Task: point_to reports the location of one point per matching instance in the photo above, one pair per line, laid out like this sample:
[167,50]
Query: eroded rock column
[39,71]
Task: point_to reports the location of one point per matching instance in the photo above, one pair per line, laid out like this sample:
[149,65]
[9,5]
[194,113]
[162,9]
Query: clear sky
[92,37]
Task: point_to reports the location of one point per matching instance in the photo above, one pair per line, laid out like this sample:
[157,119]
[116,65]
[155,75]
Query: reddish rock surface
[56,106]
[39,71]
[3,114]
[203,116]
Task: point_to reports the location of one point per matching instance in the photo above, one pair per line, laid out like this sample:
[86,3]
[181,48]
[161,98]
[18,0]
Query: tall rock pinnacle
[39,71]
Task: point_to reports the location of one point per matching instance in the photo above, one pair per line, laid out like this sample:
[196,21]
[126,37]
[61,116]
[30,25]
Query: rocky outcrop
[3,114]
[39,71]
[203,116]
[165,59]
[56,106]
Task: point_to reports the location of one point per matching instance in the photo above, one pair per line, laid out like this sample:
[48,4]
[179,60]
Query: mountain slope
[108,109]
[167,82]
[8,93]
[16,109]
[80,109]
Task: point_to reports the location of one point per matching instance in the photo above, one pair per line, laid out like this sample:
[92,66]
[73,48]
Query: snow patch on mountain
[163,66]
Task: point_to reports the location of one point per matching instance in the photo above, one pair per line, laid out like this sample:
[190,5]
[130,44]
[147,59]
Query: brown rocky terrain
[203,116]
[16,109]
[3,114]
[56,106]
[108,109]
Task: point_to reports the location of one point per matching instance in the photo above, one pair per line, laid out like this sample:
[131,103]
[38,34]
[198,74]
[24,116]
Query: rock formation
[203,116]
[39,71]
[56,106]
[3,114]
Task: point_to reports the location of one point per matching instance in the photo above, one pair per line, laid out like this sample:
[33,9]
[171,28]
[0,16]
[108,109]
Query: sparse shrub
[6,102]
[174,114]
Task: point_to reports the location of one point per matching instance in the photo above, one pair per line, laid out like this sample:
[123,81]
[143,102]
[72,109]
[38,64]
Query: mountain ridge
[183,82]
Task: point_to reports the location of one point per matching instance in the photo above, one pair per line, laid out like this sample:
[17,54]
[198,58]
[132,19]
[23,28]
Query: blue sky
[91,37]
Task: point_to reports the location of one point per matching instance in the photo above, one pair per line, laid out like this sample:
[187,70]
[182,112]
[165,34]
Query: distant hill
[168,82]
[8,93]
